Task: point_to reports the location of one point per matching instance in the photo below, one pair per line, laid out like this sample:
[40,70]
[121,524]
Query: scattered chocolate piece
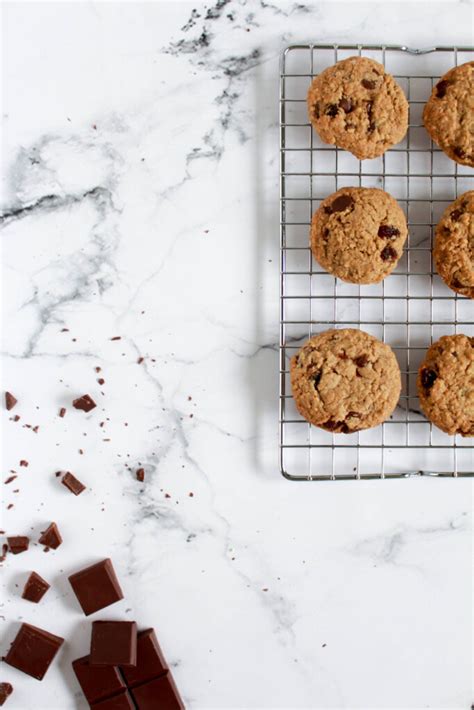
[16,418]
[368,83]
[140,474]
[71,482]
[428,378]
[98,369]
[116,337]
[341,203]
[387,231]
[24,463]
[191,495]
[57,474]
[10,401]
[113,643]
[6,689]
[3,556]
[35,588]
[51,537]
[150,660]
[33,650]
[441,88]
[159,693]
[62,412]
[36,429]
[346,105]
[96,586]
[388,254]
[97,682]
[101,381]
[331,110]
[140,360]
[85,403]
[18,543]
[10,479]
[10,505]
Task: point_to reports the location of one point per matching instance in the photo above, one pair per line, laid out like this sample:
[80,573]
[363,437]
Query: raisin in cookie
[356,105]
[446,384]
[345,380]
[454,246]
[358,234]
[449,114]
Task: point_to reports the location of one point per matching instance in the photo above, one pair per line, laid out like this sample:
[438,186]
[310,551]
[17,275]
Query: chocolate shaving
[62,412]
[18,543]
[51,537]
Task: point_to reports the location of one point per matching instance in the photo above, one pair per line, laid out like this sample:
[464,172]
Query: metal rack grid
[408,310]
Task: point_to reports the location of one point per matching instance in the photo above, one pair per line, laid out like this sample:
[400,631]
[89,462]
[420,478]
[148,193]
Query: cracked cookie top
[358,233]
[345,380]
[446,384]
[454,246]
[449,114]
[356,105]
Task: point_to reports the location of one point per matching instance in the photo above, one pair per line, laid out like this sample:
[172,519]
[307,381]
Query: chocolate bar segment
[150,660]
[33,650]
[158,694]
[97,682]
[96,587]
[122,701]
[35,588]
[113,643]
[51,537]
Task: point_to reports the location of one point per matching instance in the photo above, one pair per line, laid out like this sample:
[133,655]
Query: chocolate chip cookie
[454,246]
[356,105]
[446,384]
[449,114]
[345,380]
[453,252]
[358,233]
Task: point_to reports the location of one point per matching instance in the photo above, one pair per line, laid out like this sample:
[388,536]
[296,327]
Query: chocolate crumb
[98,369]
[62,412]
[140,474]
[191,495]
[9,506]
[16,418]
[10,401]
[24,463]
[101,381]
[4,552]
[116,337]
[85,403]
[140,360]
[6,689]
[167,495]
[10,479]
[57,474]
[36,429]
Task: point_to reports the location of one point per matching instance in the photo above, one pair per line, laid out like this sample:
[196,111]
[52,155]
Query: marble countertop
[140,199]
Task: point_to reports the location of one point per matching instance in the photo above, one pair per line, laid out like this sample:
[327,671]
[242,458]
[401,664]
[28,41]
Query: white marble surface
[140,199]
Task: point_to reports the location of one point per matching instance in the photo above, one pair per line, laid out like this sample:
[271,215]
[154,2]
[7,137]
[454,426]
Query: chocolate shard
[35,588]
[97,682]
[113,643]
[33,650]
[10,401]
[51,537]
[96,586]
[6,689]
[140,474]
[72,483]
[85,403]
[18,543]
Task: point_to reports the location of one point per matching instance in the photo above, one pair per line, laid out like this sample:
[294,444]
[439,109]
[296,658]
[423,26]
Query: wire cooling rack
[408,310]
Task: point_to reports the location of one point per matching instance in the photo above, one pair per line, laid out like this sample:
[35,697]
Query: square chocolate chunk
[122,701]
[96,587]
[35,588]
[150,660]
[18,543]
[71,482]
[97,682]
[158,693]
[113,643]
[33,650]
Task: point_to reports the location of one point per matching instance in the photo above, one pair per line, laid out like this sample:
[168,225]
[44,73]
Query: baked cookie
[449,114]
[454,245]
[345,380]
[446,384]
[358,233]
[356,105]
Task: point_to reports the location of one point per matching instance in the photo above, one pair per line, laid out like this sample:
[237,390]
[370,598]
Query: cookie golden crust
[449,114]
[358,233]
[345,380]
[356,105]
[446,384]
[454,245]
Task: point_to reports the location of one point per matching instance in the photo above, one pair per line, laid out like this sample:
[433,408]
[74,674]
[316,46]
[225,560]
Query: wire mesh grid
[409,310]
